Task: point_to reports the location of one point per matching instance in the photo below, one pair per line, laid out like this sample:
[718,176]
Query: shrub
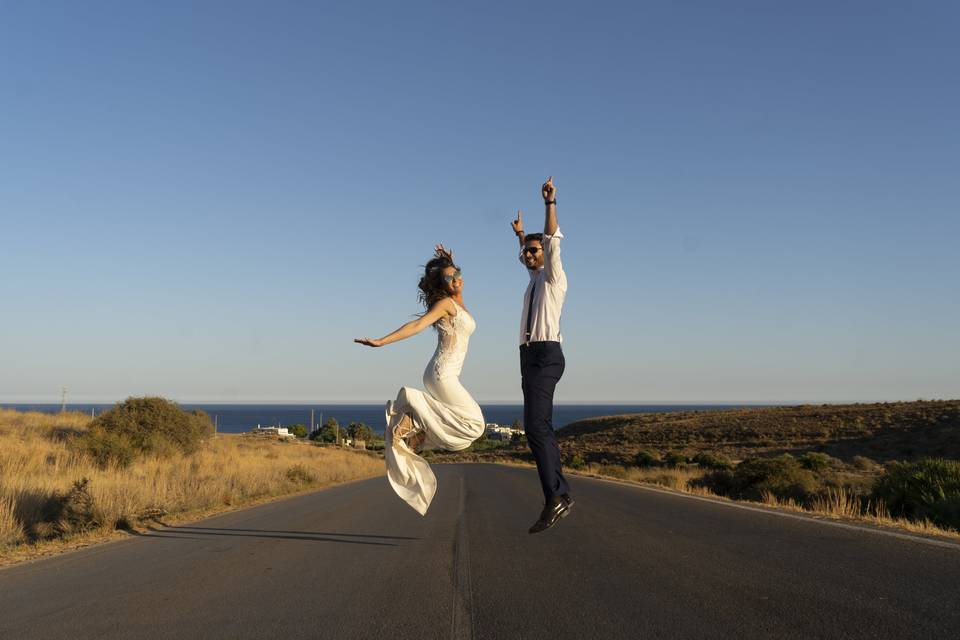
[155,425]
[782,476]
[300,474]
[675,459]
[107,448]
[646,459]
[63,514]
[864,463]
[925,489]
[815,461]
[577,462]
[299,430]
[712,461]
[359,431]
[719,481]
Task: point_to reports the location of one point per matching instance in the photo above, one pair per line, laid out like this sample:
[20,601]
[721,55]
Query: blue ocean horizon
[237,418]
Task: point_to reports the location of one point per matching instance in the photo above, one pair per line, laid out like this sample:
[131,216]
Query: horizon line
[313,403]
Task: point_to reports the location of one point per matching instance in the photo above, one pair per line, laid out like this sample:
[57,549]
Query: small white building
[495,431]
[280,432]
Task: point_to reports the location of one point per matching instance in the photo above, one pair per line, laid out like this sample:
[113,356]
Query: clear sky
[210,200]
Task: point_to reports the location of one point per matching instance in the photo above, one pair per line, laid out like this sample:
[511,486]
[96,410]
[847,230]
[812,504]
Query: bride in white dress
[445,416]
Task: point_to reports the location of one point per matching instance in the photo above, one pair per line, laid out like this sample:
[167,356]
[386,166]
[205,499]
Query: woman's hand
[441,252]
[370,342]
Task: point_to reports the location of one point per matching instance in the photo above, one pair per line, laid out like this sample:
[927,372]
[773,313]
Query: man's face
[533,254]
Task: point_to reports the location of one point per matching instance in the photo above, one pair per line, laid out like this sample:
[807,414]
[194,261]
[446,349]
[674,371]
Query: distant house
[496,431]
[279,432]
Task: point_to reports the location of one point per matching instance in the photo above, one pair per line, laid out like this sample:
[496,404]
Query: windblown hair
[533,236]
[432,287]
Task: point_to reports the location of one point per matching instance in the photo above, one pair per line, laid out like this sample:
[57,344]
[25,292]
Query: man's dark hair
[533,236]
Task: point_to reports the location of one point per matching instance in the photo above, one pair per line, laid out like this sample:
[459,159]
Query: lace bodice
[453,337]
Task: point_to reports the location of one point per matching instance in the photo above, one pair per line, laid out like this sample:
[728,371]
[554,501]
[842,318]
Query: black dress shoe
[555,508]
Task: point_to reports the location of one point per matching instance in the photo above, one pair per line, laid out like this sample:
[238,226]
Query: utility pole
[312,425]
[216,424]
[63,401]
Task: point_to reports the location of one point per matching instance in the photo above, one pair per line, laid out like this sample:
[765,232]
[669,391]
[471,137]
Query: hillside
[880,431]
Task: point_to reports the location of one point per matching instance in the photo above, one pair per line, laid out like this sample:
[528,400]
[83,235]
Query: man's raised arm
[553,268]
[518,227]
[549,193]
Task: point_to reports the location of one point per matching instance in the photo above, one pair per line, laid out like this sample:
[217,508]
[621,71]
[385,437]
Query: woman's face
[452,280]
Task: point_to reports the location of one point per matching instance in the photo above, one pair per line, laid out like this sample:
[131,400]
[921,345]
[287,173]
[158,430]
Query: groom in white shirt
[541,358]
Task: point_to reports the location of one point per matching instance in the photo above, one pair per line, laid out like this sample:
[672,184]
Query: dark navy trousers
[541,366]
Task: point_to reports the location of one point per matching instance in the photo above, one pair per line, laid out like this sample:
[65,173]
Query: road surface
[355,562]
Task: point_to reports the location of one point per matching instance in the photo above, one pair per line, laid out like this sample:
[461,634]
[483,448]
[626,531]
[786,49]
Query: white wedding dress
[447,413]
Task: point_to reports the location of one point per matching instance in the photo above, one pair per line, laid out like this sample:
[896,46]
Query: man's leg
[541,368]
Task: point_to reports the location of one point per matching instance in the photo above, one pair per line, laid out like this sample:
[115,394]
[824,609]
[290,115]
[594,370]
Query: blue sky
[208,201]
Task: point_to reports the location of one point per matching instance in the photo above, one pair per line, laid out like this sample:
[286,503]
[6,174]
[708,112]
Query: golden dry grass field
[39,465]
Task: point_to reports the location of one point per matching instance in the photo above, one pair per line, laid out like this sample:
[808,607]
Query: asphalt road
[355,562]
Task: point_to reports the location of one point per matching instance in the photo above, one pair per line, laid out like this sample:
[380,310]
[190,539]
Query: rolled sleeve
[552,265]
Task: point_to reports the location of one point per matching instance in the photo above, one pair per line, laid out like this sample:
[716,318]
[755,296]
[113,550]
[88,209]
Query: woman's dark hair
[432,286]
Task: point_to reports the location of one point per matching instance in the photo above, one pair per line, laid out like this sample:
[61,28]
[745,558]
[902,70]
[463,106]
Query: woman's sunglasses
[454,276]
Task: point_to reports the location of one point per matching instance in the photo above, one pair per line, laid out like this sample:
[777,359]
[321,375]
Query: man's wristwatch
[554,201]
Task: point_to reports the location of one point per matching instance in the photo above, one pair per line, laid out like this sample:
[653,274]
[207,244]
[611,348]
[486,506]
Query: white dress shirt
[549,286]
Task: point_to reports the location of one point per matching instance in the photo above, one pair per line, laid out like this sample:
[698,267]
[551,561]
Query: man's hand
[518,223]
[548,191]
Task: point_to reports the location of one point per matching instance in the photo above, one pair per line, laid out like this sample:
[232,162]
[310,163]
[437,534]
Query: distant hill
[881,431]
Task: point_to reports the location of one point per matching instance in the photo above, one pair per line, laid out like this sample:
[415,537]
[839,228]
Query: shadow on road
[343,538]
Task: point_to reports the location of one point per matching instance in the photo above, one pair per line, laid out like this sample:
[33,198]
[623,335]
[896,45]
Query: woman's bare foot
[407,431]
[416,440]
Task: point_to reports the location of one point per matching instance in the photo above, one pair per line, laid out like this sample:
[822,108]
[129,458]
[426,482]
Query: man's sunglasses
[531,250]
[454,276]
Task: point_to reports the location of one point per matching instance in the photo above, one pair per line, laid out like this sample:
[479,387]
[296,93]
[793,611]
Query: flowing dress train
[447,413]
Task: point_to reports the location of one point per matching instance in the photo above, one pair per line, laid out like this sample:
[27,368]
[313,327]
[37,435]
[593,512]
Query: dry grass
[838,504]
[38,463]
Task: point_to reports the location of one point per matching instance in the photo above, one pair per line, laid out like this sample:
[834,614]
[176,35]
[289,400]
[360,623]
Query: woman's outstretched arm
[440,309]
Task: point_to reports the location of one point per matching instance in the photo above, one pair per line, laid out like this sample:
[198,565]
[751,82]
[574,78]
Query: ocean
[237,418]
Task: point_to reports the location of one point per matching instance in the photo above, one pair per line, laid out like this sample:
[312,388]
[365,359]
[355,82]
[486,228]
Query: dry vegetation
[861,461]
[43,495]
[881,431]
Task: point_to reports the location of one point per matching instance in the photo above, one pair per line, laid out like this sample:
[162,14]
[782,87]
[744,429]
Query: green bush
[328,432]
[646,459]
[864,463]
[577,462]
[107,448]
[782,476]
[675,459]
[711,461]
[299,430]
[359,431]
[815,461]
[925,489]
[155,425]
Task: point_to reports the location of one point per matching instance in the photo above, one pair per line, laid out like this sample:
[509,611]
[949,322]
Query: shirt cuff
[556,234]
